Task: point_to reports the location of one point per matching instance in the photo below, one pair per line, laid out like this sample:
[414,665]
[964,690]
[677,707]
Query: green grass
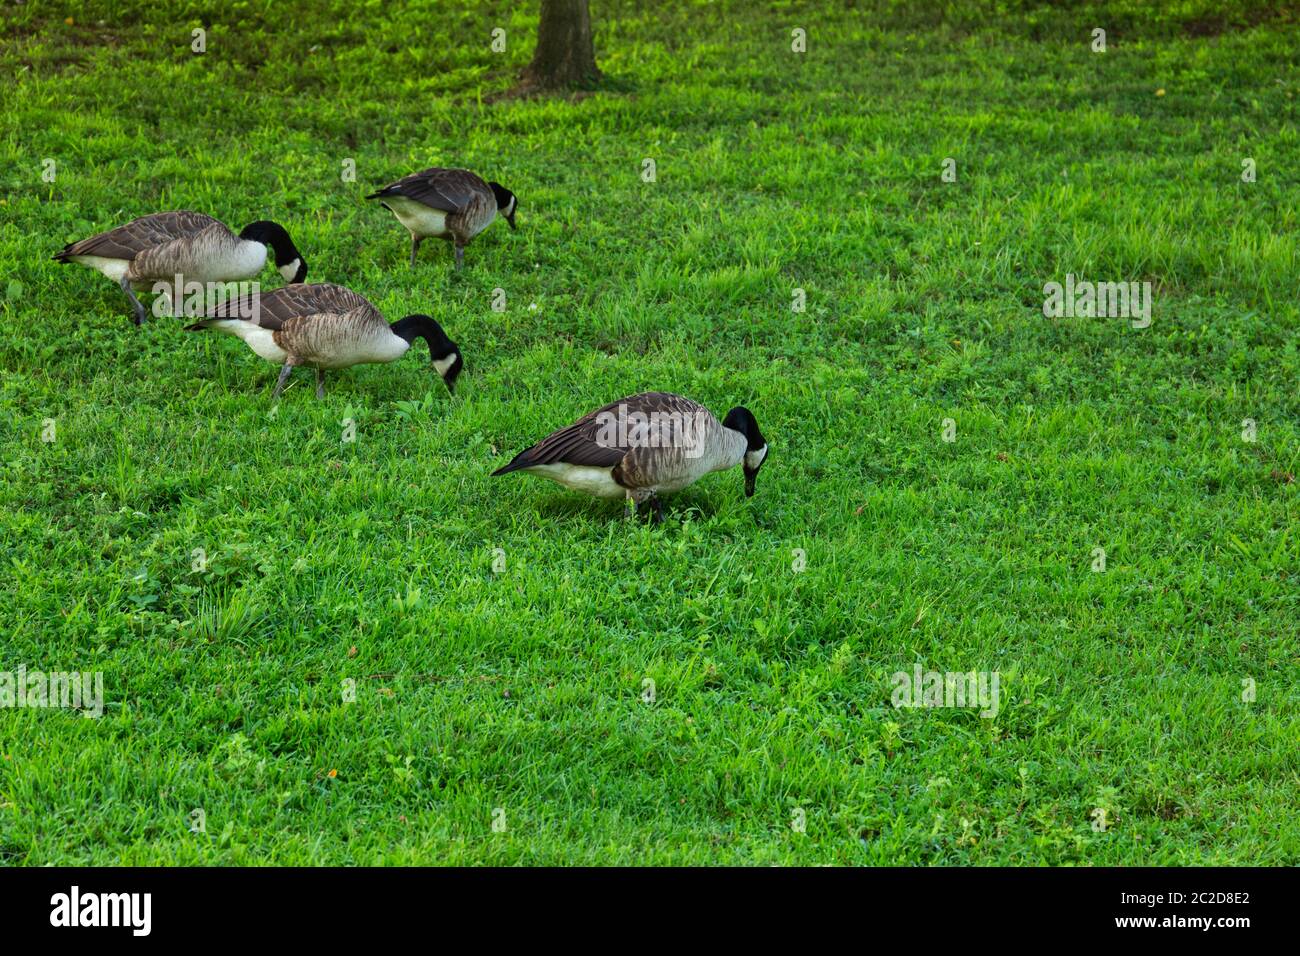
[522,690]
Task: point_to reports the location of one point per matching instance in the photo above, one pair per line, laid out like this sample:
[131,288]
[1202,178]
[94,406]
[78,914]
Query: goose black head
[442,350]
[288,260]
[507,203]
[742,420]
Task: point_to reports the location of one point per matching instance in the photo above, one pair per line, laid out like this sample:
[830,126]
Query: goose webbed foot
[135,303]
[284,377]
[320,383]
[650,504]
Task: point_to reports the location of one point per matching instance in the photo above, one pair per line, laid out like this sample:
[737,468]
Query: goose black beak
[511,219]
[449,379]
[750,477]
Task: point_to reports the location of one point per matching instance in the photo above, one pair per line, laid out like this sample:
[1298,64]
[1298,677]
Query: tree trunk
[565,57]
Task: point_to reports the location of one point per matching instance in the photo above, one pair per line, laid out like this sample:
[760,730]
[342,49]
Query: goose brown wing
[139,235]
[273,309]
[450,190]
[589,440]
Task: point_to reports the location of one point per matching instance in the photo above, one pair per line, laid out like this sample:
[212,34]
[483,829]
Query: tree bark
[565,56]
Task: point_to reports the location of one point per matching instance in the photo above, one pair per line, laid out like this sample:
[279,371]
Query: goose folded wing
[585,442]
[138,235]
[605,436]
[449,190]
[275,308]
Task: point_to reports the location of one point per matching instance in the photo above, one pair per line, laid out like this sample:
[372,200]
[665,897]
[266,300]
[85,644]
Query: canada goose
[163,245]
[326,326]
[446,204]
[640,446]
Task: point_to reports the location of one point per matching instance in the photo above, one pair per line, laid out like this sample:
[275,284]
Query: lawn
[320,651]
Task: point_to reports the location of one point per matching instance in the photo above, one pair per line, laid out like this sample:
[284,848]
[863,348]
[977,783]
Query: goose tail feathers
[520,460]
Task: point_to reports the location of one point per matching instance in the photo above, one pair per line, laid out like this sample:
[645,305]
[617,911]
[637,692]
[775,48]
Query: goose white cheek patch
[289,269]
[755,458]
[443,364]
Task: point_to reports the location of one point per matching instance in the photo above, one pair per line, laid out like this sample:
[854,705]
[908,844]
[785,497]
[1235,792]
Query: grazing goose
[640,446]
[446,204]
[326,326]
[160,246]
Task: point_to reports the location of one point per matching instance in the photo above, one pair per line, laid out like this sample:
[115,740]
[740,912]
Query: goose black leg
[460,257]
[630,508]
[658,507]
[135,303]
[284,377]
[320,383]
[415,247]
